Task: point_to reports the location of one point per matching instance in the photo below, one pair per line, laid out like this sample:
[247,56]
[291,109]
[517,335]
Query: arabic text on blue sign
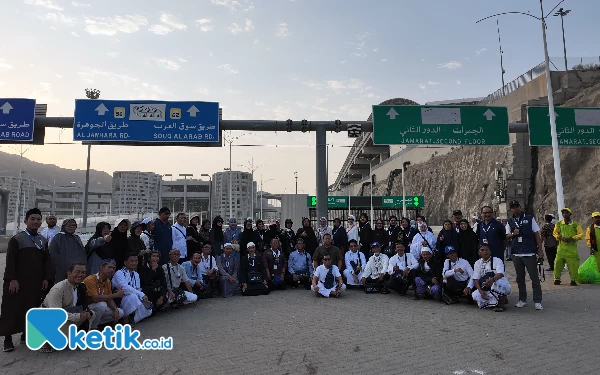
[146,121]
[16,119]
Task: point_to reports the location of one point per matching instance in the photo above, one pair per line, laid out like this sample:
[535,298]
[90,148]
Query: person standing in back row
[567,232]
[526,248]
[163,235]
[491,233]
[550,243]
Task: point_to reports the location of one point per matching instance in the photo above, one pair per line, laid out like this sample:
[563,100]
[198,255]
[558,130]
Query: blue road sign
[114,121]
[16,119]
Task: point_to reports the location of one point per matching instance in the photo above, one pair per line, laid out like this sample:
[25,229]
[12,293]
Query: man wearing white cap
[253,275]
[228,269]
[427,276]
[352,229]
[375,274]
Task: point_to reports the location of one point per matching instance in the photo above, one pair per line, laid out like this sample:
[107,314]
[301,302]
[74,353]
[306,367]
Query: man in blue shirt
[491,233]
[163,235]
[232,235]
[300,268]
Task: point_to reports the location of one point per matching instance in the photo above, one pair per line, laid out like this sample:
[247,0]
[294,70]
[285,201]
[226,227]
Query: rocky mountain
[49,174]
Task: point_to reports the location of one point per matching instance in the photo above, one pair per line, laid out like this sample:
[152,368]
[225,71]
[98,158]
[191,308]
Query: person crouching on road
[228,269]
[100,295]
[179,289]
[253,275]
[490,282]
[355,264]
[374,277]
[457,277]
[275,265]
[399,268]
[427,276]
[325,277]
[300,268]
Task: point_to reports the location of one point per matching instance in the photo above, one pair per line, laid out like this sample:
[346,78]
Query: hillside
[47,174]
[580,170]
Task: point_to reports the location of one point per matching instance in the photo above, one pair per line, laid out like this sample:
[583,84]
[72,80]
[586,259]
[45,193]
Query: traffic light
[313,201]
[416,201]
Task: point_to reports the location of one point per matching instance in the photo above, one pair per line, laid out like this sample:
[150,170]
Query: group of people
[120,278]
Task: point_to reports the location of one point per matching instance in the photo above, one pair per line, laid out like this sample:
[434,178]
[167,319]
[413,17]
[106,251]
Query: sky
[265,59]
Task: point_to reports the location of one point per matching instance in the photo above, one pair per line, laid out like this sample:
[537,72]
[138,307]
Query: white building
[242,187]
[186,195]
[67,201]
[135,192]
[27,194]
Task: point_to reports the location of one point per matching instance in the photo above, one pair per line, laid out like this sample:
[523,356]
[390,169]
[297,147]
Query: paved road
[294,332]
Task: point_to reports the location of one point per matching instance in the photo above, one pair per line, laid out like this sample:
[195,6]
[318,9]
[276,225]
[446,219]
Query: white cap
[250,244]
[146,220]
[351,217]
[475,217]
[427,250]
[228,244]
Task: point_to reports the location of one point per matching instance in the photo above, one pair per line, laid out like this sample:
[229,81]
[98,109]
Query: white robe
[416,246]
[376,266]
[348,272]
[352,233]
[132,300]
[499,288]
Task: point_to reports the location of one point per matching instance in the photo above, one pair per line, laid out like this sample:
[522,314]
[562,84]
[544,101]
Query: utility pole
[252,168]
[501,60]
[563,13]
[90,94]
[296,173]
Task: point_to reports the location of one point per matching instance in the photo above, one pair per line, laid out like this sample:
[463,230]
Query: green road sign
[440,125]
[412,201]
[574,126]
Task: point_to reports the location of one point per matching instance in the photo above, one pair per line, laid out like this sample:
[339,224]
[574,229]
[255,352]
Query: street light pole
[261,194]
[252,168]
[296,173]
[185,176]
[560,199]
[90,94]
[562,13]
[210,192]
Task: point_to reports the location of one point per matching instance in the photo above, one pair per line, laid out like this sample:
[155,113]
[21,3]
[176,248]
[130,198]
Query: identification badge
[275,267]
[485,241]
[520,239]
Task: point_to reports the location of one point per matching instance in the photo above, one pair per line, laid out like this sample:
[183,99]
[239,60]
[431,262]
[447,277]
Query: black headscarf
[119,244]
[101,251]
[217,231]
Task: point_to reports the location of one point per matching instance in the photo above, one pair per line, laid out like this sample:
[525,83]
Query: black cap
[457,212]
[164,209]
[514,203]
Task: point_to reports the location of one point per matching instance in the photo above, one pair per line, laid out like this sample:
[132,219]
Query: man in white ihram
[325,277]
[135,302]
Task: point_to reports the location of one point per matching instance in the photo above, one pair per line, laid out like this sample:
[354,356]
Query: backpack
[329,279]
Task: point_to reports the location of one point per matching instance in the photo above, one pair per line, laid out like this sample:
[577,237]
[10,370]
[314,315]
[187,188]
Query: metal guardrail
[515,84]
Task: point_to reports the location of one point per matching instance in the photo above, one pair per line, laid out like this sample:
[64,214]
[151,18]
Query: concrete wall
[293,206]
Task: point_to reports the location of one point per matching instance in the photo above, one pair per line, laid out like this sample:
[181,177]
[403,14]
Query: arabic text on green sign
[574,126]
[412,201]
[440,125]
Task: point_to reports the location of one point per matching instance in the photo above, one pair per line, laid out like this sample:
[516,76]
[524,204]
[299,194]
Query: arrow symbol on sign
[6,107]
[489,115]
[392,113]
[101,109]
[192,111]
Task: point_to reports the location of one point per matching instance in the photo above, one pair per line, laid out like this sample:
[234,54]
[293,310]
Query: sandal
[46,348]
